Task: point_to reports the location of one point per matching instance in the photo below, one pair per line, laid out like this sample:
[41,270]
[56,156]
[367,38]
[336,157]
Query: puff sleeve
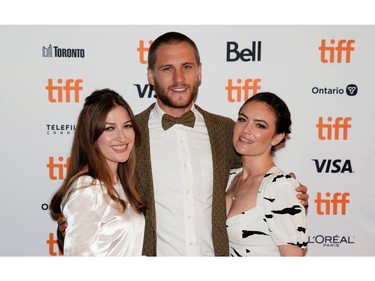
[285,216]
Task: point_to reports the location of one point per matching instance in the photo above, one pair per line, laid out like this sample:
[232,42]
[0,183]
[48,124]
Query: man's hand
[302,193]
[62,225]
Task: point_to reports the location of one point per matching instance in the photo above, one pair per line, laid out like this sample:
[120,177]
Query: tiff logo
[336,52]
[64,90]
[143,51]
[242,92]
[325,130]
[56,169]
[53,247]
[335,205]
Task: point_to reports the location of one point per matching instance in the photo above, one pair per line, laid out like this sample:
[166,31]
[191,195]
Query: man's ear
[150,76]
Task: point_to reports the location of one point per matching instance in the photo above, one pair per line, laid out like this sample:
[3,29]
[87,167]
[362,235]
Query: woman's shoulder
[276,174]
[83,188]
[235,171]
[84,181]
[232,174]
[85,184]
[276,178]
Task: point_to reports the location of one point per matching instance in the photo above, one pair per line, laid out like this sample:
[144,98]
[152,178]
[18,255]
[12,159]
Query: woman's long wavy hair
[87,159]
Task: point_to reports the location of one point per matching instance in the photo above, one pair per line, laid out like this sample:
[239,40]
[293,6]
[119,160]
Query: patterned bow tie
[187,119]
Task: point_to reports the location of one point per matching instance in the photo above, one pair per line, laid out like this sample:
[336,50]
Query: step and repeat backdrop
[324,73]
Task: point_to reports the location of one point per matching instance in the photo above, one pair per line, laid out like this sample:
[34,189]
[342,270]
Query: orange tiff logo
[56,168]
[333,203]
[64,91]
[336,51]
[143,51]
[53,246]
[242,91]
[332,128]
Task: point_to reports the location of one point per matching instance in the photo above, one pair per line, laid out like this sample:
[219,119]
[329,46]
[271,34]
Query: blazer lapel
[145,182]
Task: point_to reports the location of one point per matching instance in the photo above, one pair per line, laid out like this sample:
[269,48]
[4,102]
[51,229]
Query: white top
[277,219]
[183,184]
[95,228]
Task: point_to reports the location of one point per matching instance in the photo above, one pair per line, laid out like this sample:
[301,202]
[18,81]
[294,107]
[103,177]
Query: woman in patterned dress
[264,217]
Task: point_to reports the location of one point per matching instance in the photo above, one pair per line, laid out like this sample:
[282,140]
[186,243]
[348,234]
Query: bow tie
[187,119]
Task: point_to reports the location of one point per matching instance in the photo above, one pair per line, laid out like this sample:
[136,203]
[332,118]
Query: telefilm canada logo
[57,52]
[60,129]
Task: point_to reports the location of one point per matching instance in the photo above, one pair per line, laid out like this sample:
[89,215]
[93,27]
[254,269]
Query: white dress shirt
[183,182]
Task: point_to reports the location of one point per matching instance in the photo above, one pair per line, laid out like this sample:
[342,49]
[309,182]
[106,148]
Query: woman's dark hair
[279,108]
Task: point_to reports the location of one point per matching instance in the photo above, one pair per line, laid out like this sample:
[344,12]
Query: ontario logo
[350,90]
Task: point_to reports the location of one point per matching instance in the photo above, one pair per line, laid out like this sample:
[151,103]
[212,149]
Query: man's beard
[169,102]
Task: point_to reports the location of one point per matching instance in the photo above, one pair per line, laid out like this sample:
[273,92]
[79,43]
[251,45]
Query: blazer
[224,157]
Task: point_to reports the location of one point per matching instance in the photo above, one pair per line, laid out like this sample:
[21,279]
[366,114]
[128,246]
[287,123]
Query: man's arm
[302,195]
[62,225]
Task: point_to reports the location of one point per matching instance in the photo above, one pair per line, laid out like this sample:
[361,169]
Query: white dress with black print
[277,219]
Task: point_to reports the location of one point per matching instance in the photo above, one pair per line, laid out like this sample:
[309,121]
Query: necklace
[234,196]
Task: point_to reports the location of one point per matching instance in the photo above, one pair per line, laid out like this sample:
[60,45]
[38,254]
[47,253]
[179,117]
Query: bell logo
[247,54]
[336,52]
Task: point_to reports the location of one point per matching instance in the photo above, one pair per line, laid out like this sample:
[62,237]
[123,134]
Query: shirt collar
[159,112]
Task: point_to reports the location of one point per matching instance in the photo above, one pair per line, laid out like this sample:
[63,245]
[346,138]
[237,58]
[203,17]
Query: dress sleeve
[83,212]
[232,174]
[285,216]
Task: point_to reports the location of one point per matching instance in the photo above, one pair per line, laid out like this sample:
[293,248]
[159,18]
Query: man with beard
[183,170]
[185,157]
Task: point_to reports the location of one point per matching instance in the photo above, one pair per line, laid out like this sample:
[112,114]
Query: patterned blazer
[224,157]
